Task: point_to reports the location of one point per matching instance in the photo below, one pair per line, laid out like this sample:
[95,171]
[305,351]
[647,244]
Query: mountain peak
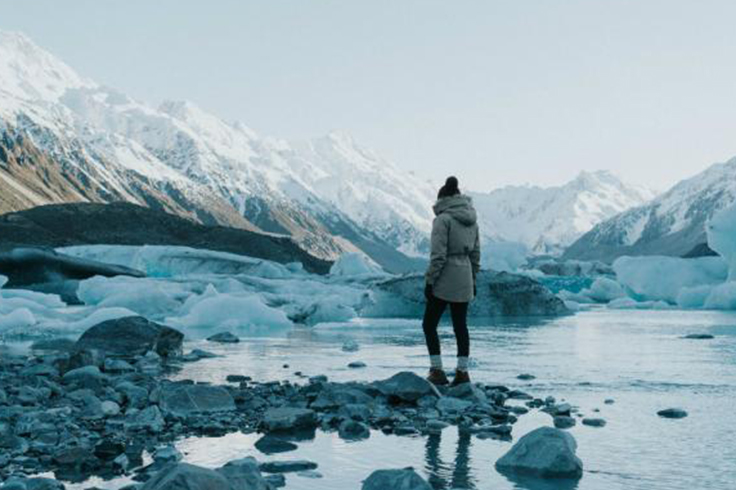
[29,72]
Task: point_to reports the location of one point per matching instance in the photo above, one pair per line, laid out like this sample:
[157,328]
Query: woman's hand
[428,291]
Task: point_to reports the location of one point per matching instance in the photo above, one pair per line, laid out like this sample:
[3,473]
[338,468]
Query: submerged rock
[224,338]
[287,466]
[406,479]
[131,336]
[269,444]
[544,452]
[672,413]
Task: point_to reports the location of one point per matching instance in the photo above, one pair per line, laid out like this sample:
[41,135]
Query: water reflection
[449,476]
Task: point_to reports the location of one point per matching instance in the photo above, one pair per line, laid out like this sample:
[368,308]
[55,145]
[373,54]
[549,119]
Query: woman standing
[453,265]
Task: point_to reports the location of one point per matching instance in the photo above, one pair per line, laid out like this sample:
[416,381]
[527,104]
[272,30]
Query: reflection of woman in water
[450,280]
[460,476]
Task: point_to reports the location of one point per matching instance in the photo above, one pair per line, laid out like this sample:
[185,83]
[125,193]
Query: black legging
[433,313]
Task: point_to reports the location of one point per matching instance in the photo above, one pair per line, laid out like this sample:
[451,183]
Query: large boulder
[286,419]
[184,476]
[500,295]
[131,336]
[187,399]
[406,479]
[545,452]
[406,386]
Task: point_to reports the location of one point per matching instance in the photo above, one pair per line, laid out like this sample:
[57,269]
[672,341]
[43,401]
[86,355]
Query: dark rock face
[500,294]
[131,336]
[128,224]
[29,266]
[406,479]
[544,453]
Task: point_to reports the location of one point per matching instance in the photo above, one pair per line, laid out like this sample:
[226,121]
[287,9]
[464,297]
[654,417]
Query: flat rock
[184,476]
[594,422]
[545,453]
[289,419]
[672,413]
[699,336]
[357,365]
[287,466]
[189,399]
[224,338]
[131,336]
[406,479]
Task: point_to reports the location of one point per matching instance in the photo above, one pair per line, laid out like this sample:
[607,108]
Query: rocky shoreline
[102,406]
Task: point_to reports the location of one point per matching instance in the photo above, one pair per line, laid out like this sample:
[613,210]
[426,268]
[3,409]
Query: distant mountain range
[672,224]
[65,138]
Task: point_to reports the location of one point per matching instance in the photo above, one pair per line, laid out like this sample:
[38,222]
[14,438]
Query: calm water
[637,358]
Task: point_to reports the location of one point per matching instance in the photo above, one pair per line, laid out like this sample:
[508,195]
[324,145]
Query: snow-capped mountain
[546,220]
[98,144]
[672,224]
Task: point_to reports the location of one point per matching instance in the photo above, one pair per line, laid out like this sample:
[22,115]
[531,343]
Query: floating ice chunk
[662,278]
[148,297]
[354,264]
[721,232]
[693,297]
[503,256]
[632,304]
[248,314]
[722,297]
[3,280]
[604,290]
[17,320]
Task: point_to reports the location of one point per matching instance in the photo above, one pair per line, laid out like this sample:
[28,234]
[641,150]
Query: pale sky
[497,92]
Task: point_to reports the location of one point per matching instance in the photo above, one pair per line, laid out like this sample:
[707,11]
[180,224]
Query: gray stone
[357,365]
[564,422]
[273,445]
[287,466]
[449,405]
[148,419]
[406,386]
[117,366]
[167,454]
[133,395]
[184,476]
[544,452]
[699,336]
[594,422]
[672,413]
[131,336]
[406,479]
[355,411]
[85,377]
[526,377]
[110,408]
[469,392]
[289,419]
[183,399]
[353,430]
[224,338]
[244,474]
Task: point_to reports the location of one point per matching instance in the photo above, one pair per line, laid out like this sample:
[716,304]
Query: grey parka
[455,257]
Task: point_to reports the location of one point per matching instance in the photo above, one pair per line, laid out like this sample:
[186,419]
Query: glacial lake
[637,358]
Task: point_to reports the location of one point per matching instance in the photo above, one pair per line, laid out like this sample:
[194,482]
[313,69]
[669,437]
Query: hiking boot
[460,378]
[437,377]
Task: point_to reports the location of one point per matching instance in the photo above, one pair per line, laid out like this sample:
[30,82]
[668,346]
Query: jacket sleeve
[475,255]
[438,255]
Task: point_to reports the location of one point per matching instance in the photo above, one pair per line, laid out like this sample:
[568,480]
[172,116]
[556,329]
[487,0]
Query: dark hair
[449,189]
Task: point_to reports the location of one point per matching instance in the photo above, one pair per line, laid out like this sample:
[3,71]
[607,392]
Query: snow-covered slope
[546,220]
[330,194]
[672,224]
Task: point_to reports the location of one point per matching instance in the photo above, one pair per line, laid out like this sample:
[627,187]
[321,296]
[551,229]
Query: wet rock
[609,401]
[286,419]
[545,453]
[276,480]
[244,474]
[350,346]
[197,355]
[449,405]
[134,396]
[85,377]
[109,408]
[287,466]
[108,449]
[518,395]
[184,476]
[357,365]
[406,479]
[406,386]
[526,377]
[237,378]
[337,396]
[166,455]
[131,336]
[468,392]
[224,338]
[149,419]
[672,413]
[594,422]
[273,445]
[699,336]
[564,422]
[186,399]
[117,366]
[355,411]
[354,430]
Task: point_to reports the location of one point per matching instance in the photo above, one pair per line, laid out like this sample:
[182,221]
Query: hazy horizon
[494,92]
